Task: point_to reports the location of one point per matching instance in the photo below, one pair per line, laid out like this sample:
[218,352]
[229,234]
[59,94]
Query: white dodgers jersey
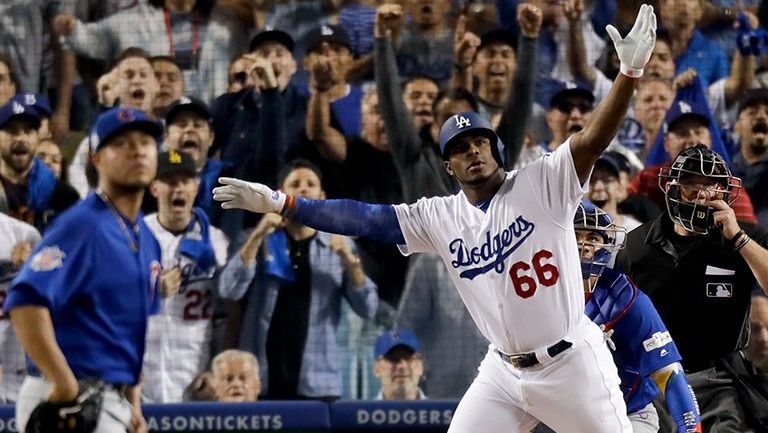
[178,338]
[516,265]
[12,359]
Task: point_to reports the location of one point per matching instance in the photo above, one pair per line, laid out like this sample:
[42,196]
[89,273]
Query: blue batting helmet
[592,218]
[467,123]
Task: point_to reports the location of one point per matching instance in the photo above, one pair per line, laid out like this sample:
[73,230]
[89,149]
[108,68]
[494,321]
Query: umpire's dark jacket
[701,288]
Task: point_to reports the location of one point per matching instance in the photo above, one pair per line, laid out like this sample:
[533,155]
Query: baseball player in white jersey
[507,240]
[17,239]
[178,338]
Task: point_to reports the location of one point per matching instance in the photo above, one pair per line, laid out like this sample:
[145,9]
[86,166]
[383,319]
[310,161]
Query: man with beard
[30,191]
[80,305]
[751,163]
[170,83]
[136,87]
[398,366]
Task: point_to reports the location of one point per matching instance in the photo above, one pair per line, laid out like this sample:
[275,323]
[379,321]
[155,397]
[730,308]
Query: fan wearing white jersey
[178,338]
[507,240]
[17,240]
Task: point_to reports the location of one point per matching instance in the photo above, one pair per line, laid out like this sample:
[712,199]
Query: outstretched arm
[634,51]
[344,217]
[681,402]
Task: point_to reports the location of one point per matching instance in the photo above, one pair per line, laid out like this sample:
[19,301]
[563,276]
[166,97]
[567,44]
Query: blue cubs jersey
[643,344]
[98,290]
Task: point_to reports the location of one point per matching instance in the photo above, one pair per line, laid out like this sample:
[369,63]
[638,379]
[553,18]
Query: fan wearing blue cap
[399,365]
[81,303]
[30,191]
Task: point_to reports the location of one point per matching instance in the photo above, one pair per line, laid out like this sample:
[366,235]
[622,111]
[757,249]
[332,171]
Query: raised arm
[465,45]
[743,64]
[576,53]
[517,110]
[634,51]
[330,142]
[401,133]
[344,217]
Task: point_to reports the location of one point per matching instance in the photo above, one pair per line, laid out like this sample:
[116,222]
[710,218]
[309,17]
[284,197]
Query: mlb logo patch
[47,259]
[719,290]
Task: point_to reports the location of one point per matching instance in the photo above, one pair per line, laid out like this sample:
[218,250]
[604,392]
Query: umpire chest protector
[700,287]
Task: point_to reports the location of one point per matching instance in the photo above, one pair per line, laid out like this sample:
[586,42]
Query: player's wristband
[631,72]
[289,205]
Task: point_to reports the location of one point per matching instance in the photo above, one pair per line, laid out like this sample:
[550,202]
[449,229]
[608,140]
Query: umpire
[698,264]
[80,304]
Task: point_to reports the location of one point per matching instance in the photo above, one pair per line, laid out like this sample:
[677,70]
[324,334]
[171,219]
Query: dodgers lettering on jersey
[643,344]
[516,265]
[178,338]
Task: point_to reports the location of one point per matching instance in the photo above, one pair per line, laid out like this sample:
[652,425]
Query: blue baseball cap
[40,103]
[399,337]
[121,119]
[469,123]
[14,109]
[686,109]
[559,91]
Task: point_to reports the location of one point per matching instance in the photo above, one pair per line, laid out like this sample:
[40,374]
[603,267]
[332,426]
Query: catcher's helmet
[467,123]
[591,218]
[688,206]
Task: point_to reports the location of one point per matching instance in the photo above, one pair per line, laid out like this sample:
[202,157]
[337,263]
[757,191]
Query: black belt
[525,360]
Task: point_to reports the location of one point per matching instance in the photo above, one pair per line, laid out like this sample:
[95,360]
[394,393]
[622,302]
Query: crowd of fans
[345,99]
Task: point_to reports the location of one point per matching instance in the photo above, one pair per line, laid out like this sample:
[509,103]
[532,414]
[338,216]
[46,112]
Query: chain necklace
[132,240]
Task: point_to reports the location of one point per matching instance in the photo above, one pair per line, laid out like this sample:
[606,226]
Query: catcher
[80,304]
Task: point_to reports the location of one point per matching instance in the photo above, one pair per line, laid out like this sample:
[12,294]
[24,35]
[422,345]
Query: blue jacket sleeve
[350,218]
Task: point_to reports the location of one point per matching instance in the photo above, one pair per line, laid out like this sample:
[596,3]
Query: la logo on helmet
[462,122]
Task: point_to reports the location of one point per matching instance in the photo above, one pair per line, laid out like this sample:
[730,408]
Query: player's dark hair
[6,60]
[457,95]
[168,59]
[131,52]
[296,164]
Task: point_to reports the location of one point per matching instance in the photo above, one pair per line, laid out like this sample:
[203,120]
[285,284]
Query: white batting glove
[254,197]
[607,337]
[635,50]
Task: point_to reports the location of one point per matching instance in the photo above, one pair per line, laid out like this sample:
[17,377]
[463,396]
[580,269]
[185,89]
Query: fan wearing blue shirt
[80,304]
[645,355]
